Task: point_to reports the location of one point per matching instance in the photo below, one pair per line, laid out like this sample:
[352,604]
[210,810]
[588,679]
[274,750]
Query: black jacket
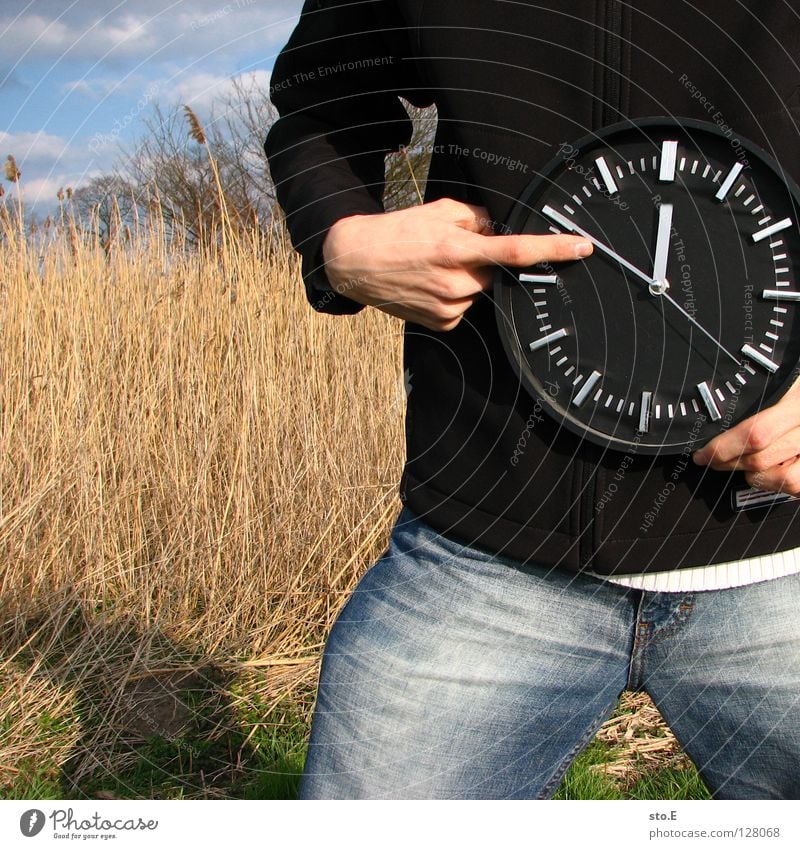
[512,80]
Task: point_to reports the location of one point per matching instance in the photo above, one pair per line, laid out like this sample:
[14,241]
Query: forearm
[326,151]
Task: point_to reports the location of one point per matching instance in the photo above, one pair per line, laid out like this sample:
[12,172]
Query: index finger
[523,250]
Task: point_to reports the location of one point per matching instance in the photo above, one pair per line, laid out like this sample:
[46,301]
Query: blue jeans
[451,673]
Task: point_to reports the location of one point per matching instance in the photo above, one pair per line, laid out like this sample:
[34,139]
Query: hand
[428,264]
[766,447]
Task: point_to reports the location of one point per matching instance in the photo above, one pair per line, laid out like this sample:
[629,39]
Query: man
[485,648]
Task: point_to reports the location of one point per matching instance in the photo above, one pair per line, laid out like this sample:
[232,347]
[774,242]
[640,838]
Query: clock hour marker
[708,400]
[773,228]
[669,156]
[757,357]
[558,218]
[727,183]
[546,340]
[587,387]
[780,295]
[605,173]
[644,412]
[538,278]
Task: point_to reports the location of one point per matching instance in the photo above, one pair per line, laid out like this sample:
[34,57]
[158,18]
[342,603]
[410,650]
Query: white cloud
[202,90]
[48,162]
[147,30]
[32,148]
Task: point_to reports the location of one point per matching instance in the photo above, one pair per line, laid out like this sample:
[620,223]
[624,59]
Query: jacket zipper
[609,20]
[611,104]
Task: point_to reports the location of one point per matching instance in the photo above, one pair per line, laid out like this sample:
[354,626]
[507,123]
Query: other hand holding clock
[766,447]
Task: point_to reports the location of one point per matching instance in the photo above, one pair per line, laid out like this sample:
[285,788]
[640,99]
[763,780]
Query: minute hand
[556,216]
[572,226]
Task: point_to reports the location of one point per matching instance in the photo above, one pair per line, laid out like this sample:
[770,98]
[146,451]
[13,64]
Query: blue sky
[77,76]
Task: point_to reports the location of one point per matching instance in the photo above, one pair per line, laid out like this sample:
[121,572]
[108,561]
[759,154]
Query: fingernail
[582,249]
[700,458]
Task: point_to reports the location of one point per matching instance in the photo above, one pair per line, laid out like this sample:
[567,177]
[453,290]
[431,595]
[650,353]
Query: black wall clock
[685,319]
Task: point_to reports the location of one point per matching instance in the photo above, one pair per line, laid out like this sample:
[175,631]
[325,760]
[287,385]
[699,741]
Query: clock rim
[500,289]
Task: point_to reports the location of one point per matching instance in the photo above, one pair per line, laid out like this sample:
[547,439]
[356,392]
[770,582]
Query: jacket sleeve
[336,87]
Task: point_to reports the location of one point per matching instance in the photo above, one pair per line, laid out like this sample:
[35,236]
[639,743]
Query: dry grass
[641,741]
[195,469]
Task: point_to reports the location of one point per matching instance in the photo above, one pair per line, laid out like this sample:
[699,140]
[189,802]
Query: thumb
[526,250]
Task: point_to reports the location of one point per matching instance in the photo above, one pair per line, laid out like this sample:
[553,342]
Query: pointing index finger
[524,250]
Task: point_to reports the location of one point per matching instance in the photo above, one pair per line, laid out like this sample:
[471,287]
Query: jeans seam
[583,741]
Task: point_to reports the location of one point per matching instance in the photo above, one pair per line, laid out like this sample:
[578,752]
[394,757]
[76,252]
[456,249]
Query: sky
[78,76]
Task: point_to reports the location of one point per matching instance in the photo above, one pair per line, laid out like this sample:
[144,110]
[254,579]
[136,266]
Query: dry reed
[195,469]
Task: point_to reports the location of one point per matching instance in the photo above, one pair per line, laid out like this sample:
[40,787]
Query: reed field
[196,468]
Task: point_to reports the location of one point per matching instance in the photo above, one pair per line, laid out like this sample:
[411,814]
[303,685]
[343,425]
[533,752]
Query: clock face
[684,320]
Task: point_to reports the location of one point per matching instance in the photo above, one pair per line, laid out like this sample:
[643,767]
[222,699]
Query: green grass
[216,763]
[212,760]
[253,753]
[582,782]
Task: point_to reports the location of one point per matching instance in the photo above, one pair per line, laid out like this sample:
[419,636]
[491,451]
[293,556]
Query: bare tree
[104,205]
[224,178]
